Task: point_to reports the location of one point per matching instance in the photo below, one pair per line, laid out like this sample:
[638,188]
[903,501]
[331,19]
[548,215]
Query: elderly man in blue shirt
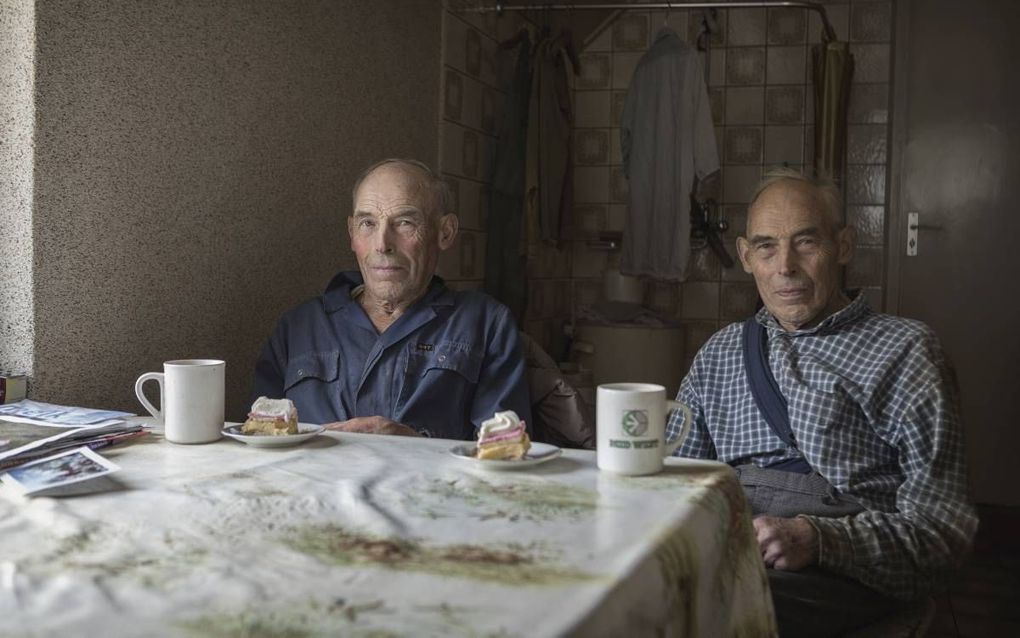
[391,349]
[842,424]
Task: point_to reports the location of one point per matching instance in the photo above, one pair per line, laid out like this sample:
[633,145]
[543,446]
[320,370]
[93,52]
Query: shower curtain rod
[830,33]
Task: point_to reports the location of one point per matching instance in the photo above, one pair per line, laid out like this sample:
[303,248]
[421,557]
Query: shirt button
[301,373]
[442,357]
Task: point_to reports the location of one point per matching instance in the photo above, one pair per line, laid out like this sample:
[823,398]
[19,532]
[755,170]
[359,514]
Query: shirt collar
[342,289]
[853,311]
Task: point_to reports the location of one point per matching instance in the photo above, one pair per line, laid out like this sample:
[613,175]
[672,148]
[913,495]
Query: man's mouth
[791,293]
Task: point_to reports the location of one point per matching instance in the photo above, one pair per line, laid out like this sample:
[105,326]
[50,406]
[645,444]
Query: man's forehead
[392,185]
[789,205]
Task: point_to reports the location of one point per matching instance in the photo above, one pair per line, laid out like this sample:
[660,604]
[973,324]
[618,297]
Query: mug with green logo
[630,424]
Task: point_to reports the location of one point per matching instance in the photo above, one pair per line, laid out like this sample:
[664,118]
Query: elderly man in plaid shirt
[845,434]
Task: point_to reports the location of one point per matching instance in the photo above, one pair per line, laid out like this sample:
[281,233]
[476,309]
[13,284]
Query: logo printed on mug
[635,422]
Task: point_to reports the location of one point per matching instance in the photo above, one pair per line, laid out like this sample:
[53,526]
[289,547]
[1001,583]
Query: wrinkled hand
[372,425]
[789,544]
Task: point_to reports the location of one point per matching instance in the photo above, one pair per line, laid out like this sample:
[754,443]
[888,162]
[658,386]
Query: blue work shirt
[451,361]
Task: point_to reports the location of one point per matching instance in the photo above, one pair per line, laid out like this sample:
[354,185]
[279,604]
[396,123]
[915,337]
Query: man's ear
[744,251]
[448,226]
[846,240]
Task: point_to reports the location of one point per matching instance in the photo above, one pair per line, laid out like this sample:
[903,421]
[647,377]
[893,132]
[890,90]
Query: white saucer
[539,453]
[305,432]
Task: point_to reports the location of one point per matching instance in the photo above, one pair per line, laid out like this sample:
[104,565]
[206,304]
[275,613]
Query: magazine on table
[25,435]
[71,472]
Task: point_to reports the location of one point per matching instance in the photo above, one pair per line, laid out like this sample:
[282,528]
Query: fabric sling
[767,395]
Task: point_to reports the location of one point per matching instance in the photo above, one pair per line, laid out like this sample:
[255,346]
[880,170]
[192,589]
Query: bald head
[819,194]
[432,192]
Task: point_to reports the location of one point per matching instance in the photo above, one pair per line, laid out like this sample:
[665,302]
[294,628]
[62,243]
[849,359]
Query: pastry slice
[504,436]
[272,417]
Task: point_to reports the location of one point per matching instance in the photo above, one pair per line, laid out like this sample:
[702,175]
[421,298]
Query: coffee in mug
[630,424]
[191,397]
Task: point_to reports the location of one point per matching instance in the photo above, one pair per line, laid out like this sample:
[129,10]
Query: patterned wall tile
[449,261]
[784,105]
[591,109]
[743,145]
[591,184]
[696,26]
[736,218]
[865,184]
[617,219]
[587,292]
[739,183]
[866,267]
[456,200]
[809,145]
[591,146]
[487,61]
[602,42]
[716,71]
[619,188]
[736,273]
[623,68]
[866,144]
[471,161]
[839,18]
[745,105]
[596,71]
[704,265]
[663,297]
[674,19]
[871,62]
[490,104]
[697,333]
[745,65]
[717,100]
[700,300]
[871,21]
[787,26]
[786,65]
[869,104]
[630,32]
[472,52]
[747,27]
[784,145]
[453,95]
[537,300]
[561,298]
[590,220]
[615,147]
[472,258]
[738,301]
[616,107]
[869,222]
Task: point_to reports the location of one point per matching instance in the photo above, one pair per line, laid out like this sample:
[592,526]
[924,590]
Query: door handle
[913,225]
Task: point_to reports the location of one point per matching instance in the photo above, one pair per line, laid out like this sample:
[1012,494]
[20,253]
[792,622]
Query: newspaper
[30,430]
[27,411]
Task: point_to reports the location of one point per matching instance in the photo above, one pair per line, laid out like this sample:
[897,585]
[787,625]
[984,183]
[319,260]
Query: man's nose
[384,239]
[787,260]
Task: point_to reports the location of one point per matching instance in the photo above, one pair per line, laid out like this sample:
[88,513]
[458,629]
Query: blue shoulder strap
[767,395]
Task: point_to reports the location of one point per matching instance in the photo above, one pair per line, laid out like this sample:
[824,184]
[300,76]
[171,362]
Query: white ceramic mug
[630,425]
[191,397]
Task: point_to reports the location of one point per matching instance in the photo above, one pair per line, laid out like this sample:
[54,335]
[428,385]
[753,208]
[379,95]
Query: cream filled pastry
[504,436]
[273,417]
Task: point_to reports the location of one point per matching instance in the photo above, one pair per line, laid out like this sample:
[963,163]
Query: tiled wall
[474,79]
[760,92]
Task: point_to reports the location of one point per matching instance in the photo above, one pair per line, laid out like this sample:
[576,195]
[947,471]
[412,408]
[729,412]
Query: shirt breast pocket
[308,371]
[455,357]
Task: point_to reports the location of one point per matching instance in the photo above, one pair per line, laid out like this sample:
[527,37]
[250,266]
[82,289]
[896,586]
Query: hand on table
[789,544]
[371,425]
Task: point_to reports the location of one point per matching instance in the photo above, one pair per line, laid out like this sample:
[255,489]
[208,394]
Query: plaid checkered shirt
[874,411]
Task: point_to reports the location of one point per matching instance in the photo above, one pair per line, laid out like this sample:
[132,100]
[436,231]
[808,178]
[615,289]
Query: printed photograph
[68,467]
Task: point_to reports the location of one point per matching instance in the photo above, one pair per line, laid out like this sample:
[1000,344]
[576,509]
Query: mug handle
[671,446]
[150,376]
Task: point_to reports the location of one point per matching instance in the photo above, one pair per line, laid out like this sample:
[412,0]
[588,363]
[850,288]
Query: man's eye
[366,223]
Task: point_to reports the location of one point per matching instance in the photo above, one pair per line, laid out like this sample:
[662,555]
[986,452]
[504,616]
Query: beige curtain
[833,69]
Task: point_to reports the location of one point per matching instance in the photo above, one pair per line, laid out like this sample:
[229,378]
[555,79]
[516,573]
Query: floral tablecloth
[369,535]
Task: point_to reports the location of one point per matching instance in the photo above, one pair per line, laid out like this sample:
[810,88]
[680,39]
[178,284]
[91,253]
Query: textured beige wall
[16,51]
[193,161]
